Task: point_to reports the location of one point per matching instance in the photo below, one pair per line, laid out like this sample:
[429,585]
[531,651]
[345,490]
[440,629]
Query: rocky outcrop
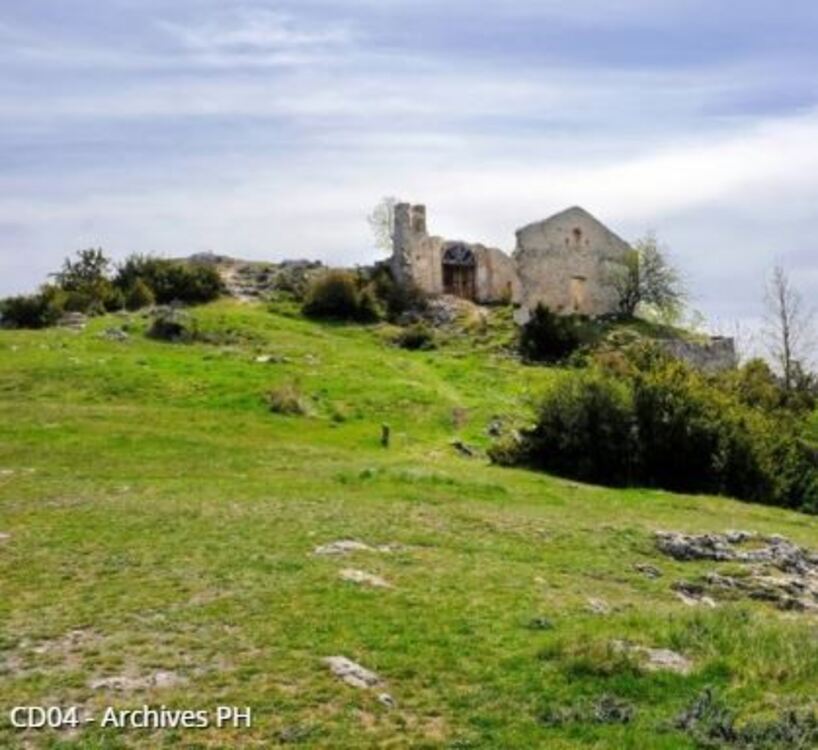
[254,280]
[779,571]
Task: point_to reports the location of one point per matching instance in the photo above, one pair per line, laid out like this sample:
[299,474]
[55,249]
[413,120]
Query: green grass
[155,503]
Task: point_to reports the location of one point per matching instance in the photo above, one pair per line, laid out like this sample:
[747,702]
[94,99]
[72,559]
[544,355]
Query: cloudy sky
[268,129]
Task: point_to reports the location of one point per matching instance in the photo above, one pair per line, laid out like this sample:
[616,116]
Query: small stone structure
[565,262]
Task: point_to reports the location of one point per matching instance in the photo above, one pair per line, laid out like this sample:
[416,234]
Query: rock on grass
[351,673]
[363,578]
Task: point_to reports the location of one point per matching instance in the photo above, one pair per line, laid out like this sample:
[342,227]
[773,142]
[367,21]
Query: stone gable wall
[566,263]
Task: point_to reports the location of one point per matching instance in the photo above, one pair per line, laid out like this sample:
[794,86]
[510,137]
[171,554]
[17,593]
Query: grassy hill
[161,524]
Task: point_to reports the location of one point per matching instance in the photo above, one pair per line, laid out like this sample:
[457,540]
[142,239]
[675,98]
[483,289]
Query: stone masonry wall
[715,355]
[566,262]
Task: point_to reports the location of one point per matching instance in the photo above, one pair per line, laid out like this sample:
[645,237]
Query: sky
[269,130]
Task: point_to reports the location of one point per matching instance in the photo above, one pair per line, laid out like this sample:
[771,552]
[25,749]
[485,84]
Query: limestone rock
[128,684]
[348,546]
[649,571]
[363,578]
[655,659]
[779,571]
[599,607]
[114,334]
[342,547]
[351,673]
[387,700]
[692,594]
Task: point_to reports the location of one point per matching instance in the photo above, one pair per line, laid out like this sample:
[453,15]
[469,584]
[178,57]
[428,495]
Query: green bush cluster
[341,295]
[30,310]
[288,400]
[87,285]
[167,281]
[548,337]
[665,425]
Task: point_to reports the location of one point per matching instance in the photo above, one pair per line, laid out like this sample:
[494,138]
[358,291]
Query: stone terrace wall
[716,355]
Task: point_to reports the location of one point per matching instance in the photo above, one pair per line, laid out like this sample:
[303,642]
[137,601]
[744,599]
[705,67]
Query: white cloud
[255,31]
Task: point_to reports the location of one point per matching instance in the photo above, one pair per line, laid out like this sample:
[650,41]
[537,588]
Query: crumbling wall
[713,355]
[418,258]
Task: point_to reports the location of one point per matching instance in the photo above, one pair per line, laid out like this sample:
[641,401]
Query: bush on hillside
[86,284]
[666,425]
[170,281]
[336,296]
[288,401]
[172,325]
[585,430]
[31,310]
[548,337]
[417,337]
[139,295]
[397,299]
[755,384]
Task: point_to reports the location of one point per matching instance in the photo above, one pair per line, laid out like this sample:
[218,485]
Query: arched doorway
[459,271]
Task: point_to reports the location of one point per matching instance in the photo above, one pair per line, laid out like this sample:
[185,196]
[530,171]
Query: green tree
[88,272]
[647,279]
[139,295]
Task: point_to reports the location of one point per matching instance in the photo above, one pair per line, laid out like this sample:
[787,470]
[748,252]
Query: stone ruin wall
[566,262]
[712,356]
[418,258]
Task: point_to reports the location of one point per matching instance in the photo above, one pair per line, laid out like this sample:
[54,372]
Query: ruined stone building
[567,263]
[564,262]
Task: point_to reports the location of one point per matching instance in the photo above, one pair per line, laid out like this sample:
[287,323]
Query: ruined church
[566,262]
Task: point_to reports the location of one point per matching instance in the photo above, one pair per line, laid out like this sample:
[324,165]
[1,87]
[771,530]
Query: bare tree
[382,223]
[789,326]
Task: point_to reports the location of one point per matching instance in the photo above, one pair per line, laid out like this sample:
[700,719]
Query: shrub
[32,310]
[336,296]
[115,300]
[170,281]
[693,438]
[666,425]
[139,295]
[417,337]
[367,305]
[87,286]
[88,272]
[585,429]
[287,400]
[172,325]
[548,337]
[397,298]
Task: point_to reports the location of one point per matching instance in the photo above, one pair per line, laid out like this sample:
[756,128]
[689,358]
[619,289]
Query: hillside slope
[159,526]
